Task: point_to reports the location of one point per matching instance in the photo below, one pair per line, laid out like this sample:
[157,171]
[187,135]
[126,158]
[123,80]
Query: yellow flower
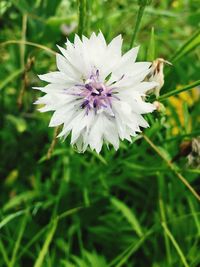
[176,102]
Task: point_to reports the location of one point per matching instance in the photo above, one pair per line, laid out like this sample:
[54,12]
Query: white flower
[97,94]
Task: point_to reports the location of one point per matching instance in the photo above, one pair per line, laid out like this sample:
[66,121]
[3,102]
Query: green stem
[45,248]
[140,13]
[22,45]
[175,244]
[125,255]
[180,51]
[4,253]
[87,22]
[81,10]
[172,167]
[18,241]
[163,218]
[28,43]
[178,91]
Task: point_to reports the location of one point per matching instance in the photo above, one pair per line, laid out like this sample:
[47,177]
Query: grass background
[125,208]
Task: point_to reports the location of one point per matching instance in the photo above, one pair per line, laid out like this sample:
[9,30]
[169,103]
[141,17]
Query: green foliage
[128,208]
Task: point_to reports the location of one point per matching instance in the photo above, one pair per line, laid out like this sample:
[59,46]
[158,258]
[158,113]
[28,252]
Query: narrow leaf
[128,214]
[47,242]
[178,91]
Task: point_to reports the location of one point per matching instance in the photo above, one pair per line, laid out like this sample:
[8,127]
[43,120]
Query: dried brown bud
[157,75]
[190,149]
[194,156]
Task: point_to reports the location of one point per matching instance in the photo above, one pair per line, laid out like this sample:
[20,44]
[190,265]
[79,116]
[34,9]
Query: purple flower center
[96,95]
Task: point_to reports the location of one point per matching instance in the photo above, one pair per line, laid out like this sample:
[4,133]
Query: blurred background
[128,208]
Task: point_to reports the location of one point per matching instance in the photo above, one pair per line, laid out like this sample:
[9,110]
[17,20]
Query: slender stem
[34,239]
[29,43]
[22,45]
[140,13]
[87,22]
[163,218]
[175,244]
[18,241]
[172,167]
[180,51]
[53,143]
[124,258]
[45,248]
[42,231]
[69,212]
[81,10]
[178,91]
[4,253]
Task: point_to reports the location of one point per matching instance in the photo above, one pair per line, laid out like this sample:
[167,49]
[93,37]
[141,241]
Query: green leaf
[19,199]
[10,217]
[23,224]
[186,116]
[178,91]
[188,46]
[47,242]
[151,47]
[176,245]
[128,214]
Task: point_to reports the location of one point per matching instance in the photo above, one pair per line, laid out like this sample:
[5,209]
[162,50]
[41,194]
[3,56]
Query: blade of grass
[47,242]
[189,45]
[42,231]
[178,91]
[87,23]
[151,48]
[82,16]
[10,217]
[175,244]
[18,241]
[186,116]
[121,259]
[181,136]
[19,199]
[163,218]
[194,215]
[4,253]
[22,6]
[142,5]
[128,214]
[98,156]
[172,167]
[69,212]
[182,217]
[53,226]
[32,241]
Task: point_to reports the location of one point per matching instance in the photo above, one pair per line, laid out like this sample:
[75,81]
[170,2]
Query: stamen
[93,94]
[95,103]
[85,103]
[89,87]
[96,95]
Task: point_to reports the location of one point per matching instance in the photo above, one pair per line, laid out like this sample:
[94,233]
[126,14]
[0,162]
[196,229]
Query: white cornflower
[97,94]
